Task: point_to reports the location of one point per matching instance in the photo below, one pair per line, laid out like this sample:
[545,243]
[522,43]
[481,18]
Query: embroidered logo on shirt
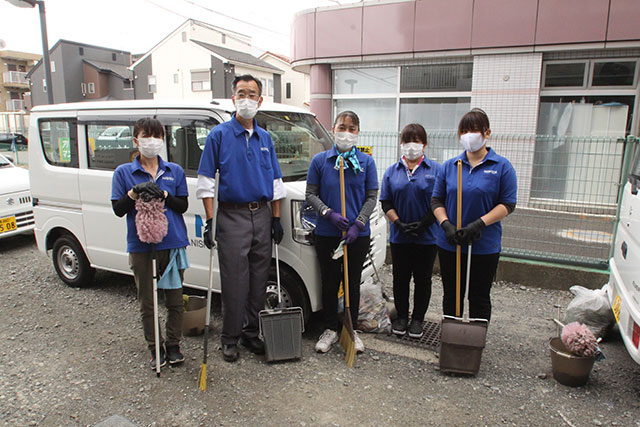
[264,149]
[168,178]
[491,171]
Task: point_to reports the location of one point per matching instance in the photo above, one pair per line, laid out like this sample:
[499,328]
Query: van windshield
[297,137]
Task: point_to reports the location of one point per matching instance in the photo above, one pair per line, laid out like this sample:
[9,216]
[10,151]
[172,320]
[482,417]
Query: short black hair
[475,120]
[148,126]
[353,116]
[414,132]
[246,78]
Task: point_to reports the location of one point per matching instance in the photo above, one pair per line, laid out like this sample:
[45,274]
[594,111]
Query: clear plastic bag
[591,307]
[373,315]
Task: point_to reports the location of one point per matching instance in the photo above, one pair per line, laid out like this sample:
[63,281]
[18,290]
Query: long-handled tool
[202,377]
[462,339]
[156,326]
[281,328]
[347,337]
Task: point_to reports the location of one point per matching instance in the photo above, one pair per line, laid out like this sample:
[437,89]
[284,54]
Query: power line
[236,19]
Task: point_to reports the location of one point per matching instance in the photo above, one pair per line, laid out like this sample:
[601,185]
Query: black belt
[252,206]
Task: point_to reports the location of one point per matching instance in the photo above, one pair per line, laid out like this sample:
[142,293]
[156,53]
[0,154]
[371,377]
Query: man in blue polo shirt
[250,178]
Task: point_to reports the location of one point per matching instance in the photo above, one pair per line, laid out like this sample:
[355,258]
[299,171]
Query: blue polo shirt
[322,172]
[491,182]
[170,178]
[411,197]
[247,167]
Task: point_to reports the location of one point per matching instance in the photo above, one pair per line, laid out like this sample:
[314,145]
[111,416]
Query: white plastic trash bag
[373,315]
[591,307]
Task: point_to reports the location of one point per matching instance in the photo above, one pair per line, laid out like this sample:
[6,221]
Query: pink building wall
[435,25]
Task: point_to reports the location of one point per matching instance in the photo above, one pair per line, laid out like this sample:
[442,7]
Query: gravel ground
[77,356]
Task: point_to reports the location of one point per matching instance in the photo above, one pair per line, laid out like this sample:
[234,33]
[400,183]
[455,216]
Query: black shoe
[230,352]
[399,327]
[174,354]
[415,329]
[163,359]
[254,345]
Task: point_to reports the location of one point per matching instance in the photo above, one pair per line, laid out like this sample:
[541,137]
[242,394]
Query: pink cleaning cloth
[579,340]
[151,221]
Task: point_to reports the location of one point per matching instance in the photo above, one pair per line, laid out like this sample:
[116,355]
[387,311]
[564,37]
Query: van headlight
[303,219]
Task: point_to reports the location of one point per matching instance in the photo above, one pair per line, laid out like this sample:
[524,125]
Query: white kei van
[624,280]
[71,165]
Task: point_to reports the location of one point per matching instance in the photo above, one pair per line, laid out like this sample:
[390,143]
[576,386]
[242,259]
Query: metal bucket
[194,318]
[461,344]
[569,369]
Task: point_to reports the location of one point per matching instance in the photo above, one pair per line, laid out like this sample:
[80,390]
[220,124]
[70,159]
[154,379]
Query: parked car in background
[16,210]
[624,280]
[7,138]
[115,137]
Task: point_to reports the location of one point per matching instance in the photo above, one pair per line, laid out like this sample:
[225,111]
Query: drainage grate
[430,339]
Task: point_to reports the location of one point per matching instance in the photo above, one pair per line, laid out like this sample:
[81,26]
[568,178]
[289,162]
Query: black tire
[71,263]
[293,292]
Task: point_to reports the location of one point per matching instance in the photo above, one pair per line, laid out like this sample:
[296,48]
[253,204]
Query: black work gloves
[449,232]
[148,190]
[408,229]
[276,230]
[469,234]
[424,223]
[208,235]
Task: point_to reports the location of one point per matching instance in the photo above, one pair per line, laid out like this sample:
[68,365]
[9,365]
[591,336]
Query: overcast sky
[137,25]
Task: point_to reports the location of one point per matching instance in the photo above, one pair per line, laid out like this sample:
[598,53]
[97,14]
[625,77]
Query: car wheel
[71,263]
[292,290]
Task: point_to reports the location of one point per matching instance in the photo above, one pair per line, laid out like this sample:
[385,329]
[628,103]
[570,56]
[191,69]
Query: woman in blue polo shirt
[405,198]
[323,194]
[489,191]
[149,173]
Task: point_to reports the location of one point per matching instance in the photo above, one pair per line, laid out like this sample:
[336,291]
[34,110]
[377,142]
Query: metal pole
[45,51]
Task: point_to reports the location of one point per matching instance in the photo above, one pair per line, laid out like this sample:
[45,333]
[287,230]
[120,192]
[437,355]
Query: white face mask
[412,150]
[246,108]
[345,140]
[150,147]
[472,141]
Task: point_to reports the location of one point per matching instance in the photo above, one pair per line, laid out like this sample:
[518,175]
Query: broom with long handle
[156,326]
[458,248]
[202,377]
[347,337]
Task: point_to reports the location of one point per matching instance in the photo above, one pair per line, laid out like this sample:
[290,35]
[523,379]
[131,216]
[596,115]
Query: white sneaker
[326,341]
[358,343]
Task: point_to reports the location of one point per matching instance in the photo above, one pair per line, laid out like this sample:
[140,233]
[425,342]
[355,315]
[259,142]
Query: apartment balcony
[15,105]
[15,79]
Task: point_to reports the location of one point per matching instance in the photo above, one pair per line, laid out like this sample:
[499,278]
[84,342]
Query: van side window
[60,141]
[186,137]
[109,145]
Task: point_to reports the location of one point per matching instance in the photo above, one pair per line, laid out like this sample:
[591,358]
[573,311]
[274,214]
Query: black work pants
[331,273]
[483,273]
[411,259]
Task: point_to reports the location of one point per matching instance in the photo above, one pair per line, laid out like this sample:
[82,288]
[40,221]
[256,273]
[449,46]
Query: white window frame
[588,77]
[83,88]
[91,86]
[204,88]
[53,66]
[44,85]
[152,84]
[176,78]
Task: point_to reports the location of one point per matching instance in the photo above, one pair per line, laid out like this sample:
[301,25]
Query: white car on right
[624,280]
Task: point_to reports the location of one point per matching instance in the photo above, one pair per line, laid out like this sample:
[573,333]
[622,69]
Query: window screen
[613,73]
[564,75]
[436,78]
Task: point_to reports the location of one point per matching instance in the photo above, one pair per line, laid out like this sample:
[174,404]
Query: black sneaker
[174,355]
[399,327]
[163,359]
[415,329]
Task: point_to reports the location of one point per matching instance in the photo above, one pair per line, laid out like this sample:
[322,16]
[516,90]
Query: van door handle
[623,248]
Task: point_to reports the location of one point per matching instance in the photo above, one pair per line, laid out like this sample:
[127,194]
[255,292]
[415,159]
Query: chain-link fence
[567,190]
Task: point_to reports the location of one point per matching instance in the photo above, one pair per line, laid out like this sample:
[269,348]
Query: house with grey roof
[199,61]
[82,72]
